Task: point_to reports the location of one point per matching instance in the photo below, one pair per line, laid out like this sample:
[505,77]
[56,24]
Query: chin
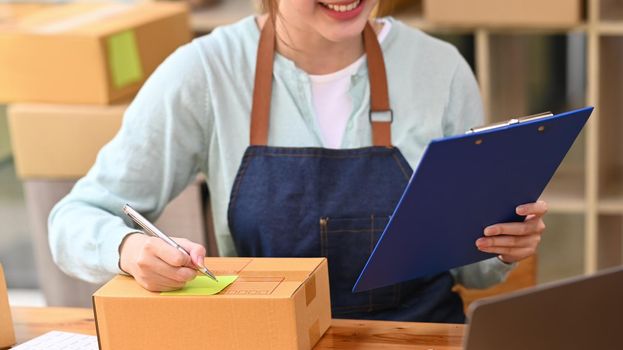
[344,33]
[344,19]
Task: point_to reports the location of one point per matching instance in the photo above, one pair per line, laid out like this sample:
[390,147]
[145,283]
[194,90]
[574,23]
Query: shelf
[561,252]
[610,241]
[532,73]
[413,16]
[427,26]
[434,22]
[611,199]
[610,27]
[611,10]
[610,111]
[565,193]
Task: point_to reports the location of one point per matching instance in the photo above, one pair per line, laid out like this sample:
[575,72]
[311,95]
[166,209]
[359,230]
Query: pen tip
[208,273]
[213,277]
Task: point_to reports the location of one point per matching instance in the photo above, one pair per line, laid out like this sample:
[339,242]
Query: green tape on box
[124,60]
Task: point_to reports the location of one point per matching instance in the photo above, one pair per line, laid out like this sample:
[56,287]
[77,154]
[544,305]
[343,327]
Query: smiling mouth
[342,7]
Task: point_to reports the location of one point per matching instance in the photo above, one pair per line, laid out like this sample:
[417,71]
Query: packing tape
[124,61]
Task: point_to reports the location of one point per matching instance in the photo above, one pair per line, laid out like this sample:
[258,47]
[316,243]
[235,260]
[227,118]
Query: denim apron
[310,202]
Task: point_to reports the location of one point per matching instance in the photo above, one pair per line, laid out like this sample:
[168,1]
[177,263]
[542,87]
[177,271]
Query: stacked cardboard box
[86,52]
[506,13]
[60,141]
[76,57]
[69,71]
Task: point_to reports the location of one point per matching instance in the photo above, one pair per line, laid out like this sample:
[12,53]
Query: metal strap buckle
[382,116]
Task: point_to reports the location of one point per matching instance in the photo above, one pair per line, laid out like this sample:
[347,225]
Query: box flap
[258,278]
[297,269]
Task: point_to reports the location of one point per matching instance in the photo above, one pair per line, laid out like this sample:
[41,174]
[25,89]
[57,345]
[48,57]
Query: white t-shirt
[332,101]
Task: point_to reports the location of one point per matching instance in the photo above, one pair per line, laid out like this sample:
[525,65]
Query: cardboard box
[276,303]
[85,52]
[504,13]
[7,335]
[60,141]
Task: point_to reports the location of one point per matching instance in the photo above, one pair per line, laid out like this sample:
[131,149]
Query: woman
[300,153]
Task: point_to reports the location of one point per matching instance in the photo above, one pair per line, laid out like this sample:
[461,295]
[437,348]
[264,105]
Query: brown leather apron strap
[263,87]
[381,115]
[379,97]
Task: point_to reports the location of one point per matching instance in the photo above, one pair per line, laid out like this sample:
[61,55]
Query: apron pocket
[347,244]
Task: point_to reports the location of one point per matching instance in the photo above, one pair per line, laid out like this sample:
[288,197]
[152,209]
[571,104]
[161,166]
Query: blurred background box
[504,13]
[13,12]
[54,145]
[60,141]
[7,335]
[85,52]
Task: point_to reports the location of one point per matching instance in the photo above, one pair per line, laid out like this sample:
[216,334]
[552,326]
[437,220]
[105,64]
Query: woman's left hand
[515,241]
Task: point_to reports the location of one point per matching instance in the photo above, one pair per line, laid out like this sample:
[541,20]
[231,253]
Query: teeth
[343,8]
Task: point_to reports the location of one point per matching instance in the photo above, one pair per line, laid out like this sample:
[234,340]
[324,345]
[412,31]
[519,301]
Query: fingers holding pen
[156,275]
[167,253]
[154,264]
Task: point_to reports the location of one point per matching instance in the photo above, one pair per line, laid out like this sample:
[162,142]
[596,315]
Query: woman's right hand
[157,266]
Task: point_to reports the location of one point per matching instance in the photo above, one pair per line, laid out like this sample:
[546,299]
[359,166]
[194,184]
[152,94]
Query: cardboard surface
[85,52]
[508,12]
[276,303]
[7,335]
[60,141]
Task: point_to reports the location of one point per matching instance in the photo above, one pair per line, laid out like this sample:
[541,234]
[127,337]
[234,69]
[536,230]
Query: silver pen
[151,229]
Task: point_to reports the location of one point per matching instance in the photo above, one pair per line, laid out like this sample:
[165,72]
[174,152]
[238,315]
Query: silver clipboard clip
[510,122]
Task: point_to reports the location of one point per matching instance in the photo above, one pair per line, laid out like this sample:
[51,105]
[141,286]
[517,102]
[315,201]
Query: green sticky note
[203,285]
[124,61]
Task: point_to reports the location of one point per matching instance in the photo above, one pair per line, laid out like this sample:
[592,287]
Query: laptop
[579,313]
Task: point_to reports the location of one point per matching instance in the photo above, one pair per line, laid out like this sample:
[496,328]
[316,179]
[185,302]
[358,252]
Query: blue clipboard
[462,185]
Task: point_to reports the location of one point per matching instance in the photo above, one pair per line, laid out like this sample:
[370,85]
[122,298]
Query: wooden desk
[343,334]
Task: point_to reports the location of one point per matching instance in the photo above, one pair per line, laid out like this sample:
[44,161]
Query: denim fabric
[309,202]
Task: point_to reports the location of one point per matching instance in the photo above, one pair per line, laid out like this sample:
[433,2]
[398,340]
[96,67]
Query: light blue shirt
[192,115]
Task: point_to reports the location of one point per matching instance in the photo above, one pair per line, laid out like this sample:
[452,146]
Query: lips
[341,7]
[344,10]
